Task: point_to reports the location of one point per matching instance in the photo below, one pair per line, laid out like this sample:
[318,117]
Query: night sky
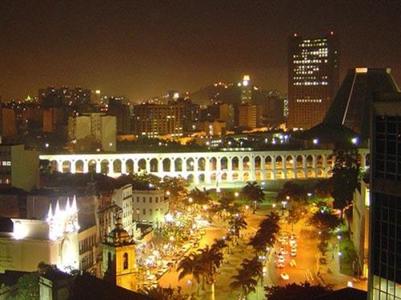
[142,48]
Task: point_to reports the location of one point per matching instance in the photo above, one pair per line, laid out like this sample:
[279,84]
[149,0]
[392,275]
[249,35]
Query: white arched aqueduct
[206,168]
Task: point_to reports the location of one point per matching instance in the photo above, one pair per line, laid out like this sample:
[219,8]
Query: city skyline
[141,50]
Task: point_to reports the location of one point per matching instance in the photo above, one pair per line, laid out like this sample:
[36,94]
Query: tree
[292,191]
[237,222]
[324,188]
[345,177]
[199,197]
[244,281]
[296,211]
[266,234]
[294,291]
[191,265]
[160,293]
[28,286]
[253,192]
[325,220]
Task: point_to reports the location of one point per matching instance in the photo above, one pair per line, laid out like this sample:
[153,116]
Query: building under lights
[26,242]
[312,79]
[385,248]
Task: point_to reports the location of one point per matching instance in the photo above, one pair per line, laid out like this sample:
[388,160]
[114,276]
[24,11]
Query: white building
[101,127]
[360,225]
[52,241]
[149,206]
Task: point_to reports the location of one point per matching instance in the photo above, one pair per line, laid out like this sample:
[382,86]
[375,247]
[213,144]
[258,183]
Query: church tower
[119,261]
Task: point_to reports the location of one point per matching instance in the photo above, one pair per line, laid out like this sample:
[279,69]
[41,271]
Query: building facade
[313,79]
[385,250]
[150,206]
[97,126]
[19,167]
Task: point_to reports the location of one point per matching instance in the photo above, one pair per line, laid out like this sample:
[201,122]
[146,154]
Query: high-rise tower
[312,79]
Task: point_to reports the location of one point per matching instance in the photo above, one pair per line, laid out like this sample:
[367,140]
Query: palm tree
[160,293]
[191,265]
[253,192]
[244,281]
[266,234]
[237,223]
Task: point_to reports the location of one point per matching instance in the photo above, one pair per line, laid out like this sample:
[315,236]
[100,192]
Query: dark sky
[142,48]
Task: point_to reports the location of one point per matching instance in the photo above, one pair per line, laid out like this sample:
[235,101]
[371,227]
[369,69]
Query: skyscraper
[385,250]
[312,79]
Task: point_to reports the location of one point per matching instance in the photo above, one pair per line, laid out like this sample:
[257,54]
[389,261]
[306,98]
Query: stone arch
[300,174]
[129,166]
[268,163]
[92,166]
[154,165]
[279,174]
[116,166]
[258,175]
[213,164]
[330,160]
[309,161]
[258,162]
[289,162]
[310,173]
[279,162]
[178,165]
[300,162]
[104,166]
[246,163]
[268,175]
[53,166]
[290,174]
[224,163]
[66,166]
[246,176]
[320,173]
[201,164]
[235,163]
[190,164]
[319,161]
[79,166]
[224,176]
[142,165]
[235,176]
[213,177]
[166,165]
[190,178]
[201,178]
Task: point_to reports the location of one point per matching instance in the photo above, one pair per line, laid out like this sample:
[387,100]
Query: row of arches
[205,167]
[154,165]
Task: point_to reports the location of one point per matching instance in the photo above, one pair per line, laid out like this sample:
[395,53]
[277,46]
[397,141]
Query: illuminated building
[18,167]
[149,206]
[247,116]
[385,247]
[313,79]
[246,89]
[119,262]
[26,242]
[97,126]
[360,227]
[351,106]
[155,120]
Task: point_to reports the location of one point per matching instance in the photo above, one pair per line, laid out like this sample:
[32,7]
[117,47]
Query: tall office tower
[385,250]
[312,79]
[246,89]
